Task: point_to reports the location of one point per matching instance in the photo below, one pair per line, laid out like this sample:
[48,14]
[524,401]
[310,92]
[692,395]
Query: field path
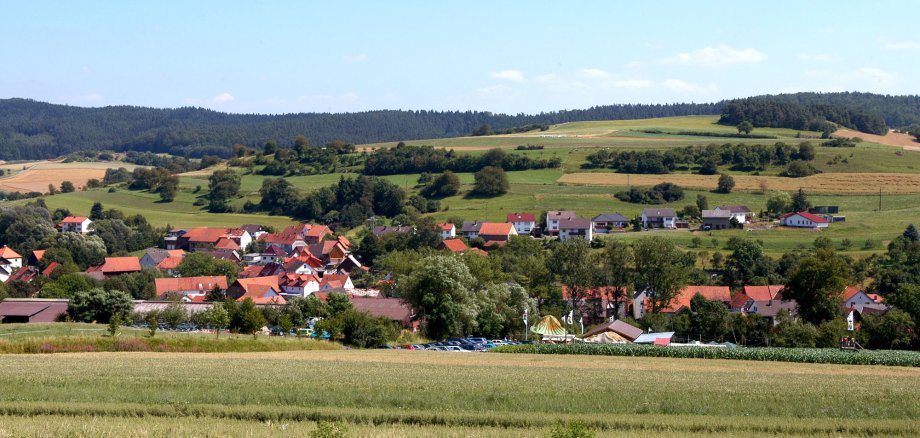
[842,183]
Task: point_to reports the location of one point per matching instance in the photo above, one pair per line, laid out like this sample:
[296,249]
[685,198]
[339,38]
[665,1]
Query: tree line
[404,159]
[811,113]
[705,159]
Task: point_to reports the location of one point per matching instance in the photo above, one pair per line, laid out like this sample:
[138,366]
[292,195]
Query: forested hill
[35,130]
[866,112]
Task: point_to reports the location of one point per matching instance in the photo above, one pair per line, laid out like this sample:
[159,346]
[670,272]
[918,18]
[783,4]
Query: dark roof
[735,208]
[575,224]
[560,215]
[770,308]
[471,227]
[619,327]
[251,228]
[36,309]
[658,212]
[716,214]
[381,230]
[610,217]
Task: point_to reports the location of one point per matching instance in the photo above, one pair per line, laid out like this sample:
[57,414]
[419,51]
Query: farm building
[22,310]
[803,219]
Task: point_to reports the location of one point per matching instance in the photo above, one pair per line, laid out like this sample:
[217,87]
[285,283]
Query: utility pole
[879,199]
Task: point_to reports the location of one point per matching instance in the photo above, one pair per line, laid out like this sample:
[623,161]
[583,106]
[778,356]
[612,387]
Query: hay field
[411,393]
[829,183]
[908,142]
[38,175]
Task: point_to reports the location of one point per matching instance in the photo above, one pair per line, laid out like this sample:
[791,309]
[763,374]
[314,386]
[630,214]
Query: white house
[576,228]
[76,224]
[553,218]
[9,258]
[298,285]
[659,218]
[603,223]
[803,219]
[523,223]
[448,231]
[738,212]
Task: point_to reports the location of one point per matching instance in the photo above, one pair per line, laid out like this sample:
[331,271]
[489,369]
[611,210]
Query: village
[310,260]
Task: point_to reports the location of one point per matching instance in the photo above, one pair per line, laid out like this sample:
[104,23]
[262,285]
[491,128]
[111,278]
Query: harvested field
[892,139]
[844,183]
[36,177]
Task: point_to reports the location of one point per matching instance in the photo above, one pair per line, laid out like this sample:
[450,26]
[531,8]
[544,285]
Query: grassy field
[407,393]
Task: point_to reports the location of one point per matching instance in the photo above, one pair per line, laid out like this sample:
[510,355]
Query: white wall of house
[802,222]
[449,233]
[524,228]
[567,233]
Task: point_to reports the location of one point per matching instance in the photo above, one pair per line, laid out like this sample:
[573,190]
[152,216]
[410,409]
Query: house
[740,213]
[470,229]
[254,230]
[10,258]
[601,304]
[576,228]
[329,251]
[716,219]
[24,310]
[642,304]
[188,286]
[335,282]
[524,223]
[272,254]
[25,275]
[350,263]
[207,238]
[36,257]
[298,285]
[268,270]
[604,223]
[5,273]
[115,266]
[76,224]
[262,290]
[553,218]
[287,242]
[659,218]
[496,232]
[769,309]
[856,298]
[620,329]
[803,219]
[153,257]
[316,234]
[453,245]
[761,293]
[383,230]
[305,264]
[448,231]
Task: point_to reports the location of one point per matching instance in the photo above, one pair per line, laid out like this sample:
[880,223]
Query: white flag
[525,315]
[850,321]
[571,317]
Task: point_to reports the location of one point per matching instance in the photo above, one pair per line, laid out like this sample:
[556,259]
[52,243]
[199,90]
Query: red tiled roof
[492,243]
[280,239]
[850,291]
[603,292]
[206,234]
[74,220]
[8,253]
[446,227]
[170,263]
[712,293]
[739,300]
[763,293]
[495,229]
[318,231]
[478,251]
[38,254]
[344,241]
[454,245]
[521,217]
[225,243]
[806,215]
[116,265]
[186,284]
[23,274]
[50,268]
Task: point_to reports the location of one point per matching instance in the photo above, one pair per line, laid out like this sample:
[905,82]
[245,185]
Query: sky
[502,56]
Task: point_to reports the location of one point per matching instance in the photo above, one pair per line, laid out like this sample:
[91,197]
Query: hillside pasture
[828,183]
[411,393]
[906,141]
[36,176]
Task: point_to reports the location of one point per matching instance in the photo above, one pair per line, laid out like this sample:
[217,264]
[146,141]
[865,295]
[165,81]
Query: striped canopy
[548,326]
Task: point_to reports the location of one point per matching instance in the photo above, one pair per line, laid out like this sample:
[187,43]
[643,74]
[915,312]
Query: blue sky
[509,56]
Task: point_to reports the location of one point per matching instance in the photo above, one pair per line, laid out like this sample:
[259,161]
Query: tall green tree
[439,290]
[660,269]
[223,185]
[726,183]
[616,263]
[748,265]
[816,284]
[571,260]
[800,201]
[490,181]
[100,305]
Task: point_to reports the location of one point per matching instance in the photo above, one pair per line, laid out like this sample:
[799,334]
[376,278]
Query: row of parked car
[459,345]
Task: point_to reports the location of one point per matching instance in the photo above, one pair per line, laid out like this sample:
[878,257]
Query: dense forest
[865,112]
[34,130]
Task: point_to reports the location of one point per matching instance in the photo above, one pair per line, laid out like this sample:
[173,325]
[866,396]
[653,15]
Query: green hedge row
[804,355]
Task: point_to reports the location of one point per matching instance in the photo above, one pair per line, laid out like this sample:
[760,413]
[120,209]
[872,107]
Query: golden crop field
[830,183]
[411,393]
[36,176]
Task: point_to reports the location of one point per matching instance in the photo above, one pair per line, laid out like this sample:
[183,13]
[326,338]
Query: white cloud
[223,98]
[720,55]
[680,86]
[360,57]
[811,57]
[510,75]
[865,79]
[632,84]
[898,45]
[592,73]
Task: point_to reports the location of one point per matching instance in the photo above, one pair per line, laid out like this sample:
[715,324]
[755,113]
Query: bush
[659,194]
[100,305]
[726,184]
[490,181]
